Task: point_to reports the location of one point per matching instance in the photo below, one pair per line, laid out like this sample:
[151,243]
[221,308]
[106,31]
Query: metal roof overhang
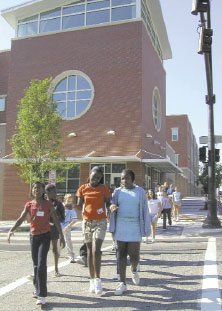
[163,165]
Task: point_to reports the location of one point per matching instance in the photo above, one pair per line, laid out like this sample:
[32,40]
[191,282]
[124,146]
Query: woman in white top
[177,202]
[155,208]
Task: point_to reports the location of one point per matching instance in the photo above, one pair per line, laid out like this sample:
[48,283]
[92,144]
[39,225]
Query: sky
[186,86]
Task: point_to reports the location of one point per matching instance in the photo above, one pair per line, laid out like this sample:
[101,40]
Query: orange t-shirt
[94,197]
[39,216]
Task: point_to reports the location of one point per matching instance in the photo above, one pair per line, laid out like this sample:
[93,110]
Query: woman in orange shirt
[94,199]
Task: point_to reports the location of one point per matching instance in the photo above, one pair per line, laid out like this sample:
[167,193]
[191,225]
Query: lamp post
[203,8]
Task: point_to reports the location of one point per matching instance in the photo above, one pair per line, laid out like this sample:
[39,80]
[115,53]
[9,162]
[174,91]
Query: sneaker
[40,301]
[98,286]
[72,260]
[91,286]
[152,240]
[34,294]
[116,277]
[121,288]
[81,260]
[145,239]
[135,278]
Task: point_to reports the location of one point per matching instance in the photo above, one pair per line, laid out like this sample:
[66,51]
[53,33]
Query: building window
[156,109]
[73,93]
[174,133]
[2,103]
[71,180]
[79,14]
[111,171]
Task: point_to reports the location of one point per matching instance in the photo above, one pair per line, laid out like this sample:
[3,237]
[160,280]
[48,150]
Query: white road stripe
[210,288]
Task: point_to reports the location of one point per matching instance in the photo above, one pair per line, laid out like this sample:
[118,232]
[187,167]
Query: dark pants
[39,247]
[167,214]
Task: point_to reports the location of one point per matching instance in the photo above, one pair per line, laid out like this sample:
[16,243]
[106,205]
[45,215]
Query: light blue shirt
[70,215]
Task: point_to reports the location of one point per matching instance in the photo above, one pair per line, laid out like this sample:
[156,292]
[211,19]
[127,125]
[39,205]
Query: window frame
[156,109]
[76,91]
[174,134]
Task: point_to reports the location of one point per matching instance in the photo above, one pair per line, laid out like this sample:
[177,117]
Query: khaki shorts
[94,229]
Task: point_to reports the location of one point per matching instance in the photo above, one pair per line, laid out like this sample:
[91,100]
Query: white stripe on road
[210,287]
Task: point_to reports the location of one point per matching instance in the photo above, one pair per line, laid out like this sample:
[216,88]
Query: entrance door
[116,179]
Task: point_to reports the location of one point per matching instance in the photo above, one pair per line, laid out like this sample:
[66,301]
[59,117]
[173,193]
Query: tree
[37,143]
[203,176]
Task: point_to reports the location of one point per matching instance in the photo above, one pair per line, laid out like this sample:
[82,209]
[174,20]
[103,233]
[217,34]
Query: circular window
[156,109]
[73,93]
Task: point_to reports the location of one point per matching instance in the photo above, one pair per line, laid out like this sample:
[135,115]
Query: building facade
[105,58]
[180,136]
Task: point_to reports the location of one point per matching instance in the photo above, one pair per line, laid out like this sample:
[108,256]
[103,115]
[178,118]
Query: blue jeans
[39,247]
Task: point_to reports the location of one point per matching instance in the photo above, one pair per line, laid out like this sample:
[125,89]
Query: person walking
[39,210]
[177,202]
[155,209]
[50,190]
[94,199]
[129,221]
[70,220]
[167,207]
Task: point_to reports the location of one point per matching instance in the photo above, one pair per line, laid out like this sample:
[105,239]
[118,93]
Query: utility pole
[205,41]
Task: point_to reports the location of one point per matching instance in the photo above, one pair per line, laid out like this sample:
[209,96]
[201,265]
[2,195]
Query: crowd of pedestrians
[129,212]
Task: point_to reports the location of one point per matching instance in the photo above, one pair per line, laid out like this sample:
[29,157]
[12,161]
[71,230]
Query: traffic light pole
[211,220]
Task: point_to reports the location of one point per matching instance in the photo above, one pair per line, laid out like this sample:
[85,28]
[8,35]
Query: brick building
[106,61]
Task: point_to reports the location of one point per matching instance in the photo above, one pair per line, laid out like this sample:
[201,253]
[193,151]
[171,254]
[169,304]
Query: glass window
[122,2]
[98,5]
[52,13]
[121,13]
[97,17]
[156,109]
[49,25]
[74,95]
[71,180]
[174,132]
[117,168]
[27,29]
[73,21]
[2,103]
[73,9]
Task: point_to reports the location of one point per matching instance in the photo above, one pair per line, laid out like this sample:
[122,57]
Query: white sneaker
[80,260]
[145,239]
[91,286]
[152,240]
[98,286]
[121,288]
[135,278]
[40,301]
[116,277]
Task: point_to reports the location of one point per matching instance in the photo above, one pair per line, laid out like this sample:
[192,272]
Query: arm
[80,202]
[58,226]
[18,223]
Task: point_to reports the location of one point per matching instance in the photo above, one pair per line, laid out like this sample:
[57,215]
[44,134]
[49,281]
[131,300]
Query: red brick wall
[181,146]
[153,76]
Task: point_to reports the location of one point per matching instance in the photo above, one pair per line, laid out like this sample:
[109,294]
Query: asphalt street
[180,271]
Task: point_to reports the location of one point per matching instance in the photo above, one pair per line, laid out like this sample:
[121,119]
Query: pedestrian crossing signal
[202,154]
[217,155]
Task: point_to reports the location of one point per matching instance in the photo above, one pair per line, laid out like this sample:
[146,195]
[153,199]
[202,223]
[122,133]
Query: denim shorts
[94,229]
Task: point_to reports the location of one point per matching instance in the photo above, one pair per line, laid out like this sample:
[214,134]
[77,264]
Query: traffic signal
[205,40]
[202,154]
[199,6]
[217,155]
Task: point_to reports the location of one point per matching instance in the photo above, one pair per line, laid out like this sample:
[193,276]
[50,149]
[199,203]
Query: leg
[97,257]
[169,216]
[164,219]
[134,253]
[90,260]
[42,264]
[34,241]
[56,254]
[122,260]
[69,245]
